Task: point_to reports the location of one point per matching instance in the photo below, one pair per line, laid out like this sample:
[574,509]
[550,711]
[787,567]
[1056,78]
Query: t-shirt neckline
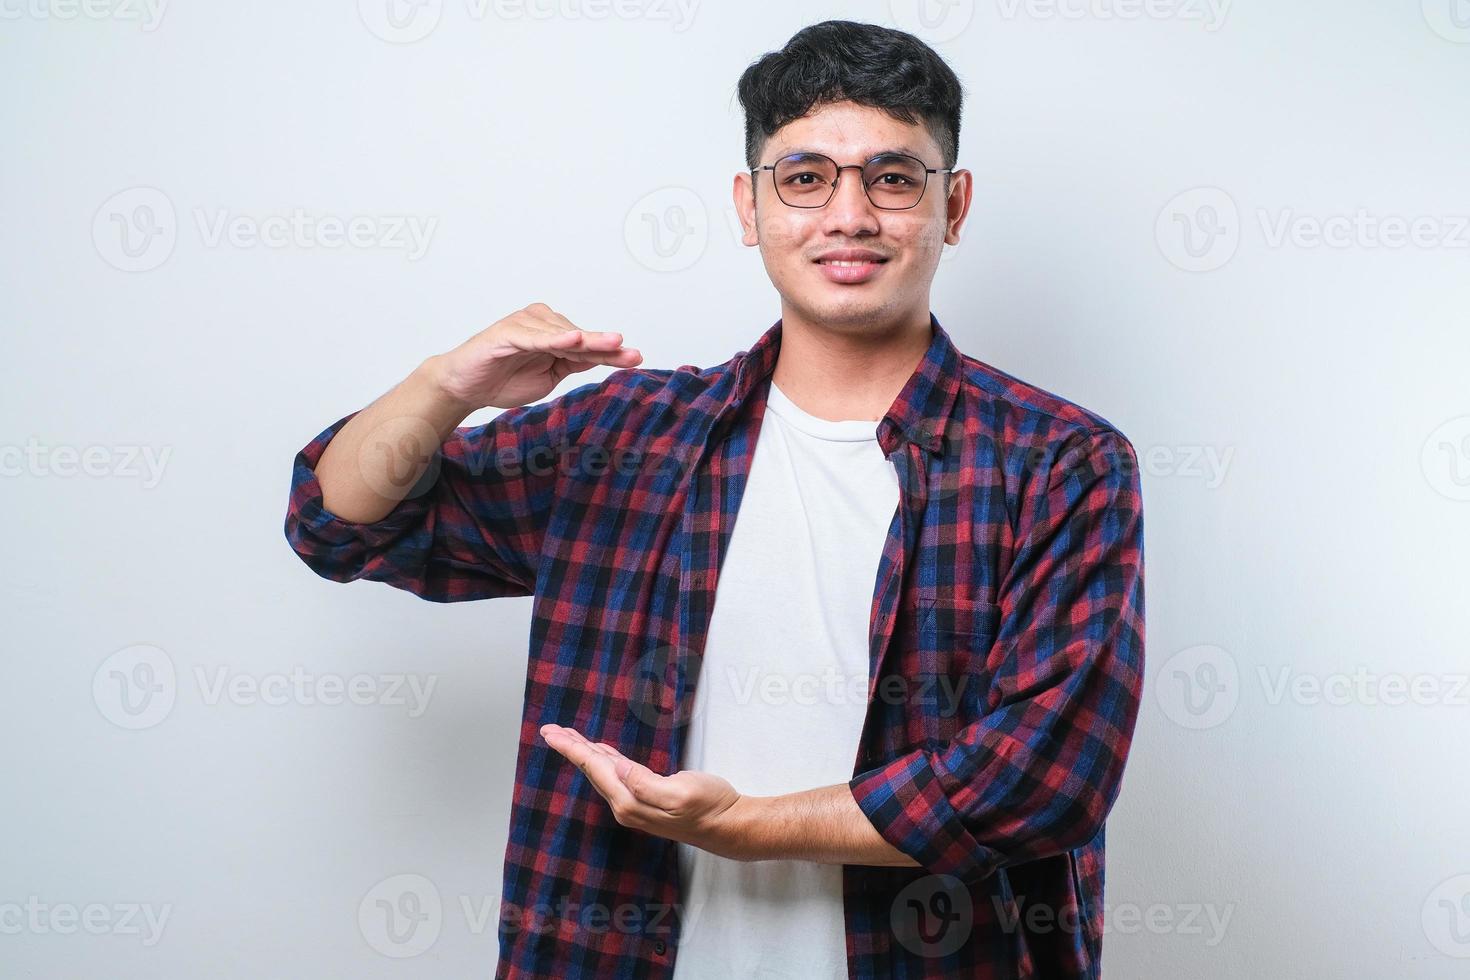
[836,430]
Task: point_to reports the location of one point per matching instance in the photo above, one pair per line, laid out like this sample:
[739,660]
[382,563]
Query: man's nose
[849,209]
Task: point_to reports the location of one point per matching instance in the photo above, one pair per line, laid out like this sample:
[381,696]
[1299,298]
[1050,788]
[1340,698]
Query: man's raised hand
[520,359]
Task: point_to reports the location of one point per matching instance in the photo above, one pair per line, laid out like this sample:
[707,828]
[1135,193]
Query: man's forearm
[825,825]
[376,458]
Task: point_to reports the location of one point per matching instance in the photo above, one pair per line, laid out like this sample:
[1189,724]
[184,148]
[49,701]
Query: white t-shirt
[782,690]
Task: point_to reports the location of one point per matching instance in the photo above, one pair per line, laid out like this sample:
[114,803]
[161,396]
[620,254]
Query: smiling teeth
[843,263]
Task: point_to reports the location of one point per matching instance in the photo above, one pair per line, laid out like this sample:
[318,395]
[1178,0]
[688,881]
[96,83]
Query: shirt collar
[919,413]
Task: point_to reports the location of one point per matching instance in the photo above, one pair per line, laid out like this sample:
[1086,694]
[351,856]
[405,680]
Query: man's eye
[797,178]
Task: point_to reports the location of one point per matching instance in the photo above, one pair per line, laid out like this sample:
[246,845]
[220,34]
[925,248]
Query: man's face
[905,245]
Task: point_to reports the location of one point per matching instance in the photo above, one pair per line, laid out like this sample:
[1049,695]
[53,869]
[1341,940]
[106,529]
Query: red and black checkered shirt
[1006,649]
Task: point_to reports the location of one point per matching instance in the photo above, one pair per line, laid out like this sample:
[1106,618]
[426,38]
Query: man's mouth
[852,265]
[850,257]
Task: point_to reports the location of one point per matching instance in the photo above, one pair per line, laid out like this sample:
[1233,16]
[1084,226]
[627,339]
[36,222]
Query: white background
[1301,409]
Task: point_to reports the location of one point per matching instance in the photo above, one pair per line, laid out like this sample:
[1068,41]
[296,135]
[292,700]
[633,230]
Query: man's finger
[597,356]
[599,767]
[599,339]
[590,338]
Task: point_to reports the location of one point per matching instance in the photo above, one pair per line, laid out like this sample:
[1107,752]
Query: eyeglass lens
[806,180]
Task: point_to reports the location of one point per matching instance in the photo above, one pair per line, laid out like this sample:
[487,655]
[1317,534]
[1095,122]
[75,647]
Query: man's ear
[957,205]
[744,195]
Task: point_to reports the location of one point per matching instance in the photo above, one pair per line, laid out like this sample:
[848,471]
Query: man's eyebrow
[907,151]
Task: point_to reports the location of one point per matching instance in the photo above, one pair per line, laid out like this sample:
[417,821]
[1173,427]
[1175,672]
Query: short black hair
[847,61]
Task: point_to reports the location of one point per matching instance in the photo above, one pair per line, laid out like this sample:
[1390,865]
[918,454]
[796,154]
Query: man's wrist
[743,833]
[431,377]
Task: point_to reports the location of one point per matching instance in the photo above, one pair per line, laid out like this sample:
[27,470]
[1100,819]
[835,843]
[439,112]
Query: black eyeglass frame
[851,166]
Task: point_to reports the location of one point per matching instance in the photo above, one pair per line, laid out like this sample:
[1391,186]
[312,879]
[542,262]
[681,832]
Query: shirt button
[659,947]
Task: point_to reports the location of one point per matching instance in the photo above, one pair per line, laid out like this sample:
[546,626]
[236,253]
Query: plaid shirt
[1006,644]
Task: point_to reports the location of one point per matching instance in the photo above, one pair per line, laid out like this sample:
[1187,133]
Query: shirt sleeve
[1038,773]
[474,532]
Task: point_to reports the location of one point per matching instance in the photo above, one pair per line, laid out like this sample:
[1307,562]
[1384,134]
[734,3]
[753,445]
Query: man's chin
[851,311]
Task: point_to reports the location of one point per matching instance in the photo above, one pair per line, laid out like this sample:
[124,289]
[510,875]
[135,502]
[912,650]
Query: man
[871,729]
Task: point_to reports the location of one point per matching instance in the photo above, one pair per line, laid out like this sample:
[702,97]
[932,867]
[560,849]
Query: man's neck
[839,375]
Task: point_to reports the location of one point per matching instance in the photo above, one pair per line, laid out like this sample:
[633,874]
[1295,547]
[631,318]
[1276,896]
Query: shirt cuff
[308,511]
[906,802]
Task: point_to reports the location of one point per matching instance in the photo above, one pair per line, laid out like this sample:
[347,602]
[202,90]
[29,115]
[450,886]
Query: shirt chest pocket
[946,661]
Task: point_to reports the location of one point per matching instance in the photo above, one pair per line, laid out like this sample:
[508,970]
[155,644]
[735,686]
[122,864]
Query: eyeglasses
[892,181]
